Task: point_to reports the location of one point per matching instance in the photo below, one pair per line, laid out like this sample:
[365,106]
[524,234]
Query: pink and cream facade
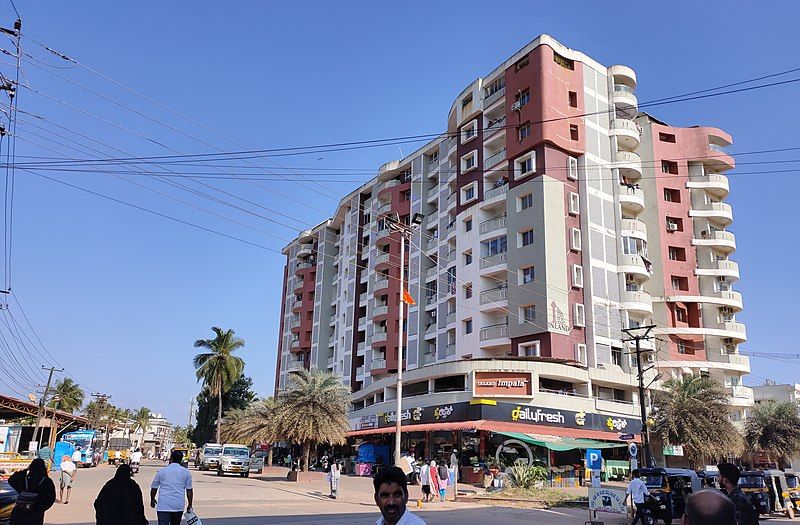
[556,215]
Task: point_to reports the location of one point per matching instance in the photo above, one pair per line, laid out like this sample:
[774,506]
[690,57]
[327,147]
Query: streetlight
[393,221]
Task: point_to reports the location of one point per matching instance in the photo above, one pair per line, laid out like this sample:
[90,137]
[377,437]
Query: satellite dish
[32,398]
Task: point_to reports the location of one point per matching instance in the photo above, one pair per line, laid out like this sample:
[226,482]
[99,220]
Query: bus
[87,441]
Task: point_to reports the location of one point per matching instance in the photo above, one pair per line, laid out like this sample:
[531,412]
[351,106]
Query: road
[270,499]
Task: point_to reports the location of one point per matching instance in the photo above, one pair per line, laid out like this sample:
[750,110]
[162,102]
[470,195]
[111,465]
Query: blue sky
[118,296]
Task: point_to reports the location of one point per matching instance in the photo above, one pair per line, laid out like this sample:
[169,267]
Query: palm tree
[140,420]
[254,424]
[219,368]
[774,429]
[69,395]
[313,410]
[693,412]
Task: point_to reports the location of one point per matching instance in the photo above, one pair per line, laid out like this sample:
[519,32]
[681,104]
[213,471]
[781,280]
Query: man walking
[637,491]
[172,481]
[391,497]
[425,481]
[69,471]
[76,457]
[729,475]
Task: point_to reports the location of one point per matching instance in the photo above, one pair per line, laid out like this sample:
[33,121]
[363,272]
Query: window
[469,161]
[572,168]
[523,131]
[525,165]
[580,315]
[574,203]
[680,314]
[679,283]
[616,356]
[526,275]
[495,246]
[526,238]
[468,291]
[467,259]
[674,224]
[573,131]
[468,326]
[530,349]
[666,137]
[577,276]
[669,167]
[575,239]
[523,97]
[495,86]
[681,346]
[468,193]
[526,201]
[671,195]
[521,63]
[469,132]
[573,99]
[563,62]
[580,353]
[677,254]
[468,225]
[527,314]
[466,101]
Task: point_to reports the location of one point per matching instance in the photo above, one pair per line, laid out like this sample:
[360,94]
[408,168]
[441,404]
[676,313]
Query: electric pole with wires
[637,335]
[43,402]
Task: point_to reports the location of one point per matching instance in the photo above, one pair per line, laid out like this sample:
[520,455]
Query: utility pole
[637,338]
[393,221]
[43,401]
[102,399]
[191,411]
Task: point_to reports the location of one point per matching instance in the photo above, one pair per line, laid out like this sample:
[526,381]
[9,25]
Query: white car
[235,459]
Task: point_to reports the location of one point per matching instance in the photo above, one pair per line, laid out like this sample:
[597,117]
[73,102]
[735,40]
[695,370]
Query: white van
[235,459]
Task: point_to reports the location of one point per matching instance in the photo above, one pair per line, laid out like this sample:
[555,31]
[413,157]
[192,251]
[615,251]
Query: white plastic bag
[190,518]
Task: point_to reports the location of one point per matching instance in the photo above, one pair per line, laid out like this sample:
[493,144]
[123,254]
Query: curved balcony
[724,241]
[723,268]
[379,312]
[625,101]
[629,165]
[494,335]
[722,212]
[383,237]
[378,364]
[634,264]
[298,286]
[735,331]
[633,228]
[623,75]
[714,183]
[730,298]
[384,209]
[627,133]
[432,222]
[302,266]
[637,302]
[433,194]
[295,344]
[379,338]
[451,201]
[384,189]
[631,199]
[295,365]
[718,157]
[381,286]
[305,250]
[382,260]
[297,306]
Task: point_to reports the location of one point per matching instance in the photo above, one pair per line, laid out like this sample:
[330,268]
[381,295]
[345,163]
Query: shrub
[527,476]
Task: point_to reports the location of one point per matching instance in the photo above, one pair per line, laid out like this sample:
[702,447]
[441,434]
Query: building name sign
[502,384]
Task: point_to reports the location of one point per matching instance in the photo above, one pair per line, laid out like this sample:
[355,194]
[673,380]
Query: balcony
[494,335]
[297,305]
[362,324]
[379,337]
[622,75]
[713,183]
[735,330]
[450,350]
[624,100]
[378,364]
[730,298]
[740,395]
[380,310]
[430,330]
[494,295]
[637,302]
[305,250]
[431,244]
[493,224]
[629,165]
[633,228]
[451,200]
[722,212]
[631,199]
[384,187]
[298,286]
[382,258]
[360,371]
[430,358]
[303,266]
[494,193]
[451,256]
[724,241]
[384,208]
[494,126]
[721,268]
[295,344]
[627,133]
[381,285]
[635,264]
[332,319]
[494,159]
[331,361]
[294,323]
[450,318]
[361,349]
[433,165]
[432,222]
[494,260]
[295,365]
[362,299]
[433,193]
[494,97]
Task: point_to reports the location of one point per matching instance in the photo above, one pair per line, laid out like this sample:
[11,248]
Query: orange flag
[407,298]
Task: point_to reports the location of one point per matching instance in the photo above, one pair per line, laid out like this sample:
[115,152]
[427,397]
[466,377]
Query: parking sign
[594,459]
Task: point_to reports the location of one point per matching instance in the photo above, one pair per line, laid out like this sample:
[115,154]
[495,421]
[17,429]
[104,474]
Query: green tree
[313,410]
[140,420]
[180,436]
[240,395]
[254,424]
[693,412]
[68,395]
[774,429]
[218,368]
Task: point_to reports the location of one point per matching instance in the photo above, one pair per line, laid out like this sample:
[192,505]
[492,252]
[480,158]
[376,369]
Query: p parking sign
[594,459]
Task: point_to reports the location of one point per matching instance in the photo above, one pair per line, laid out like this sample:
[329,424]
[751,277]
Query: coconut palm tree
[313,410]
[693,412]
[68,395]
[140,420]
[218,368]
[774,429]
[254,424]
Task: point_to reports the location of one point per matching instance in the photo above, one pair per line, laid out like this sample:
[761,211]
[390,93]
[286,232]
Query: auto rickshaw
[768,491]
[793,482]
[669,488]
[8,498]
[185,460]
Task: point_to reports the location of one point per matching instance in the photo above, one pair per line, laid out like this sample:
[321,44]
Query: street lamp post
[405,230]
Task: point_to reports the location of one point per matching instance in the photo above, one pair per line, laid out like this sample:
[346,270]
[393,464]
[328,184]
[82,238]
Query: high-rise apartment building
[556,214]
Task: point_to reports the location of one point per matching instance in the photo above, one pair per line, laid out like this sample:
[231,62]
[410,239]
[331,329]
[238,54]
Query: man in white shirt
[136,456]
[172,482]
[637,491]
[69,471]
[391,497]
[425,481]
[76,457]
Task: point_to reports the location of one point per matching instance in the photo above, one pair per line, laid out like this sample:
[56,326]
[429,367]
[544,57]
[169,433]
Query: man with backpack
[729,474]
[36,493]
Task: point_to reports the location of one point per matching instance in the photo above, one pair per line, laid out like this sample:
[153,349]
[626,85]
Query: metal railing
[493,224]
[492,260]
[495,331]
[494,97]
[494,295]
[494,159]
[495,192]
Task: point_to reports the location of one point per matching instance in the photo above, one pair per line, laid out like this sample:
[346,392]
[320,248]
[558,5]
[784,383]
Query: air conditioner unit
[672,227]
[728,341]
[516,106]
[630,279]
[705,233]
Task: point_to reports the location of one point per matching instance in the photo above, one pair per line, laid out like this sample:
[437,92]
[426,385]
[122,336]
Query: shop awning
[559,443]
[503,427]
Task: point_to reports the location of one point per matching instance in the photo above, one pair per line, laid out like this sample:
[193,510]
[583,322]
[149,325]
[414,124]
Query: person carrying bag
[36,493]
